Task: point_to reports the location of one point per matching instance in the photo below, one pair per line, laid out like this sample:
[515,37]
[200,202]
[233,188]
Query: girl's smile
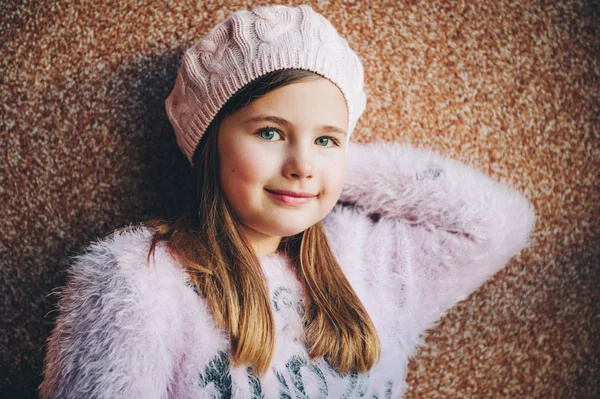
[290,197]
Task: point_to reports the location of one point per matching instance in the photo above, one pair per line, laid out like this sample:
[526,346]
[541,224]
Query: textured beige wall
[509,87]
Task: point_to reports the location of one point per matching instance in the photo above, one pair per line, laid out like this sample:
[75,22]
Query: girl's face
[300,149]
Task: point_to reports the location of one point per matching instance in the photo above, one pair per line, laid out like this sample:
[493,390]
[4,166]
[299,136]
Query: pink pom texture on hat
[250,44]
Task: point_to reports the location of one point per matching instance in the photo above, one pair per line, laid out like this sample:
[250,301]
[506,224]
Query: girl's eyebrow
[286,123]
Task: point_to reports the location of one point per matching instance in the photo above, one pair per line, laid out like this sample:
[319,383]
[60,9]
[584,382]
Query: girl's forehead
[318,102]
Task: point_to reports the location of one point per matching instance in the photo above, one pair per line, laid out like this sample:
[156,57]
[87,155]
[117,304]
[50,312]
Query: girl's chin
[289,229]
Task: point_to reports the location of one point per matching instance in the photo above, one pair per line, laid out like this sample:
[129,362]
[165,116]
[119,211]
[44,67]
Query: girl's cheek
[336,172]
[250,169]
[240,158]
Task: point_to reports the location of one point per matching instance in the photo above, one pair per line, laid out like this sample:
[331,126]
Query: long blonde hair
[207,239]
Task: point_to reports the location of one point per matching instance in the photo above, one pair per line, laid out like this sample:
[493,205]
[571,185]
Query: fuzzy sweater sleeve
[432,227]
[424,188]
[107,341]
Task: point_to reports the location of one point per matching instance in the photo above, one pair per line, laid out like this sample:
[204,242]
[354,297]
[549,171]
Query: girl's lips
[289,200]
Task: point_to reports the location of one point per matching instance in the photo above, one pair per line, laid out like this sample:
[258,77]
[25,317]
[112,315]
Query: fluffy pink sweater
[415,233]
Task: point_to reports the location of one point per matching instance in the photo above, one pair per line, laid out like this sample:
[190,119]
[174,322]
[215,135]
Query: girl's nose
[299,164]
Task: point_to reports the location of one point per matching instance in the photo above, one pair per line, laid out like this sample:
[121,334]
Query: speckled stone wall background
[511,88]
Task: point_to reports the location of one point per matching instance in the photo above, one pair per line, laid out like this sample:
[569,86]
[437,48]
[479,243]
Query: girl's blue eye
[272,134]
[331,140]
[268,129]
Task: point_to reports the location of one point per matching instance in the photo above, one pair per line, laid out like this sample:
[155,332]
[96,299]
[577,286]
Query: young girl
[305,266]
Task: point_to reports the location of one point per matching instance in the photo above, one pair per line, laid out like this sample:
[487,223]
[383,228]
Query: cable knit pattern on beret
[250,44]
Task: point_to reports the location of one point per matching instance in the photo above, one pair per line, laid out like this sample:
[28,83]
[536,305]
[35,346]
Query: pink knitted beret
[250,44]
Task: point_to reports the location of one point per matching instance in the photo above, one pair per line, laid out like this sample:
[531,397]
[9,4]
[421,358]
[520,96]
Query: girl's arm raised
[421,187]
[108,341]
[423,230]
